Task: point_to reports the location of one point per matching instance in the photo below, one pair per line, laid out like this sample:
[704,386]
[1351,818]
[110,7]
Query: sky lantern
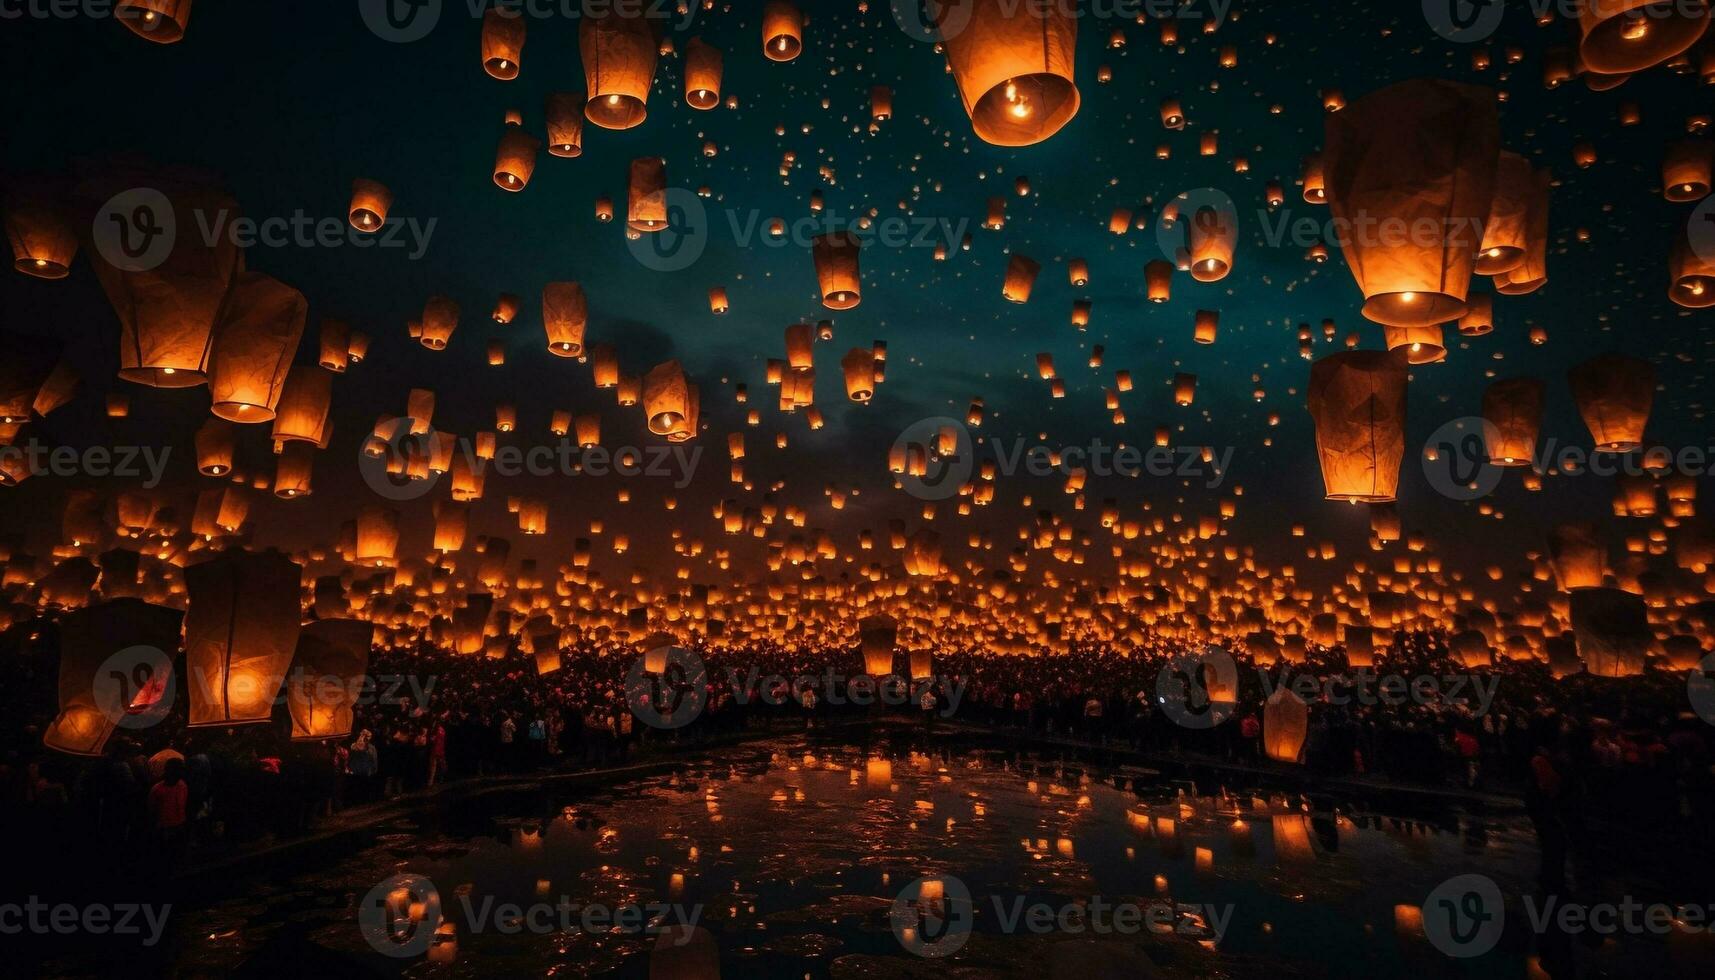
[702,74]
[1285,723]
[1691,274]
[440,319]
[377,536]
[42,236]
[1158,281]
[334,345]
[666,397]
[26,364]
[328,669]
[1013,66]
[1612,630]
[619,52]
[565,312]
[1425,153]
[1506,231]
[161,21]
[1614,393]
[253,347]
[647,206]
[1685,170]
[167,313]
[515,159]
[241,628]
[1184,389]
[1420,345]
[836,256]
[1531,274]
[878,635]
[88,638]
[1577,556]
[565,124]
[293,468]
[782,30]
[880,103]
[858,367]
[1479,318]
[303,407]
[1357,399]
[1624,36]
[1208,324]
[1315,180]
[1213,237]
[502,42]
[1512,407]
[214,446]
[800,347]
[1021,273]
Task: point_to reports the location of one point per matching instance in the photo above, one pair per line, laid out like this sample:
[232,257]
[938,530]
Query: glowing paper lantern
[1506,231]
[1614,393]
[1513,410]
[167,313]
[647,211]
[515,159]
[253,347]
[1479,318]
[836,255]
[702,74]
[241,629]
[1531,274]
[92,704]
[1158,280]
[565,121]
[327,673]
[1613,632]
[161,21]
[440,319]
[1425,153]
[1625,36]
[782,30]
[1357,399]
[1420,345]
[877,636]
[666,397]
[1021,273]
[502,42]
[565,312]
[42,236]
[1577,556]
[1013,66]
[619,51]
[1285,723]
[1685,173]
[1691,275]
[302,412]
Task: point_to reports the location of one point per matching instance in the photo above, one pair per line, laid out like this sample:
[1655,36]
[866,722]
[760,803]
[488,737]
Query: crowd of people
[1565,745]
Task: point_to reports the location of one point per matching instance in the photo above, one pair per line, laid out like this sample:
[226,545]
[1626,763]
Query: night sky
[290,103]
